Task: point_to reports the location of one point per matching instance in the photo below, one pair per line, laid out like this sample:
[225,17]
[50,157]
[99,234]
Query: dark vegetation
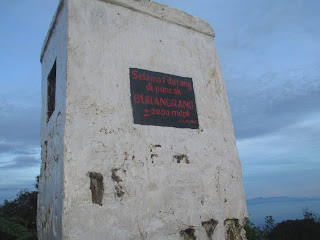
[18,217]
[299,229]
[18,222]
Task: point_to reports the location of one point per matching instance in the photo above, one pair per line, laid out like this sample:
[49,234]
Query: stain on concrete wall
[234,230]
[181,158]
[209,226]
[96,187]
[188,234]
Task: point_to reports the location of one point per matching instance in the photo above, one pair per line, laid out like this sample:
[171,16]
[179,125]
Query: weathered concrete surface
[51,186]
[118,180]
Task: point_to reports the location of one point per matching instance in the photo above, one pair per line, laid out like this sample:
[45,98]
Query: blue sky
[269,52]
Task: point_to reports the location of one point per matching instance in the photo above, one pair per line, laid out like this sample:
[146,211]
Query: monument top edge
[147,7]
[167,13]
[51,28]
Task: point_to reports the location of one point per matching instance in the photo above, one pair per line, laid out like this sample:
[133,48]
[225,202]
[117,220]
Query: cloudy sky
[270,56]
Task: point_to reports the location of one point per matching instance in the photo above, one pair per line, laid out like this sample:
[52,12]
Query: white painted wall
[160,197]
[50,199]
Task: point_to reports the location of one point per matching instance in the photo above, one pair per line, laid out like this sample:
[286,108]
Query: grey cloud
[16,148]
[7,147]
[295,146]
[272,77]
[256,122]
[22,162]
[26,151]
[258,110]
[20,124]
[258,24]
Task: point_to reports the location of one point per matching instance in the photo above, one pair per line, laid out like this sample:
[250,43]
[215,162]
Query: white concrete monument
[136,133]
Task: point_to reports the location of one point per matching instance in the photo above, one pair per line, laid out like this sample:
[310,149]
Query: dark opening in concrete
[209,226]
[51,91]
[181,158]
[188,234]
[233,229]
[96,187]
[44,154]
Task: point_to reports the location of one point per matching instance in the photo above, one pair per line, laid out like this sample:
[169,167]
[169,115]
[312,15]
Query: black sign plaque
[161,99]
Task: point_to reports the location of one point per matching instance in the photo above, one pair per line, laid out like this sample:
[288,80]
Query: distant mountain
[281,208]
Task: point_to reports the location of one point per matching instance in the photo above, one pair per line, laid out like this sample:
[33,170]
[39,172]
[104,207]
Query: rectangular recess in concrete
[51,91]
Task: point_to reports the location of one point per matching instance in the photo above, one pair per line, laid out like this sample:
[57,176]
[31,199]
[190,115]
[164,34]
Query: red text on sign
[166,102]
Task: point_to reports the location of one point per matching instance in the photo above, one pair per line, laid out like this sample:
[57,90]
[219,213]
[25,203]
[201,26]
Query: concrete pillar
[136,133]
